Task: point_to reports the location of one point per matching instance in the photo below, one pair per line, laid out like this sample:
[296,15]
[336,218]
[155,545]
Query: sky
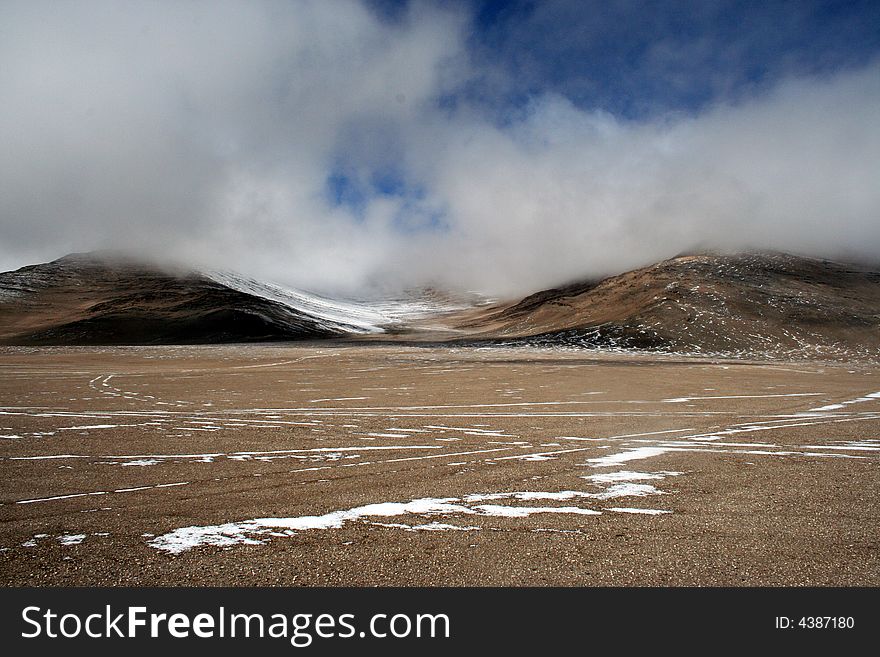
[362,148]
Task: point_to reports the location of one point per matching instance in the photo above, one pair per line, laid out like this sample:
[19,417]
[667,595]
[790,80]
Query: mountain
[108,298]
[752,305]
[100,298]
[374,316]
[738,305]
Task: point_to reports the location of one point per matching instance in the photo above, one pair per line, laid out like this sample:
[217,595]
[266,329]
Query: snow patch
[259,530]
[635,454]
[71,539]
[626,475]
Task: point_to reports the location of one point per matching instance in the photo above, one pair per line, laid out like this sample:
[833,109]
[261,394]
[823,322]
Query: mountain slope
[357,317]
[105,299]
[756,304]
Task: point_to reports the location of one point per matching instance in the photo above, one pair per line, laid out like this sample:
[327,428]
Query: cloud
[565,194]
[206,131]
[315,144]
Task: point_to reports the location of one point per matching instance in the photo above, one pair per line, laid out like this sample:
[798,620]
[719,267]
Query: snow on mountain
[352,316]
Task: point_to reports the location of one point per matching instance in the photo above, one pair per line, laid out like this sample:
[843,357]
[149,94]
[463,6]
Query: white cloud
[202,130]
[207,132]
[566,194]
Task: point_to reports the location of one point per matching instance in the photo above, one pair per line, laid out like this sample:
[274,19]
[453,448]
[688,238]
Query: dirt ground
[339,464]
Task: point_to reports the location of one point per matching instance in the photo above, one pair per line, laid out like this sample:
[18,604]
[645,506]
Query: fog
[309,143]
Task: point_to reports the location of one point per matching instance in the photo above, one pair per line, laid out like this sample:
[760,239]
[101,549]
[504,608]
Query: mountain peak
[747,304]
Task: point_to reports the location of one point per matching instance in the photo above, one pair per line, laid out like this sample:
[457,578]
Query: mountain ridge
[757,303]
[740,305]
[105,299]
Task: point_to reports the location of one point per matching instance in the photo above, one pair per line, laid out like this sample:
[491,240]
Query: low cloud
[310,143]
[565,194]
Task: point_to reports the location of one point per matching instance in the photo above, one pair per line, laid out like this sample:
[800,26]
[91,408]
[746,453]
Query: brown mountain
[755,304]
[107,299]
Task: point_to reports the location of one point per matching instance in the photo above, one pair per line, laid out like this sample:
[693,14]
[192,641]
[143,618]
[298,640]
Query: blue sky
[373,145]
[637,60]
[640,58]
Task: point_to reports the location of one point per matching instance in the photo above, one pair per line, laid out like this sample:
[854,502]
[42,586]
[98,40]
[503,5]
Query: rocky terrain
[753,305]
[364,464]
[432,446]
[105,299]
[758,305]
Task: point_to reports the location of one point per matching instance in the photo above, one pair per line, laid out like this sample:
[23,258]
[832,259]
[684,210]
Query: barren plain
[335,463]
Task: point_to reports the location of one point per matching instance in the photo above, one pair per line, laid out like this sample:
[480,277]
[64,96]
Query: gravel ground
[491,467]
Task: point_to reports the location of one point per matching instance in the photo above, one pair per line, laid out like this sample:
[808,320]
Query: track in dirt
[326,464]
